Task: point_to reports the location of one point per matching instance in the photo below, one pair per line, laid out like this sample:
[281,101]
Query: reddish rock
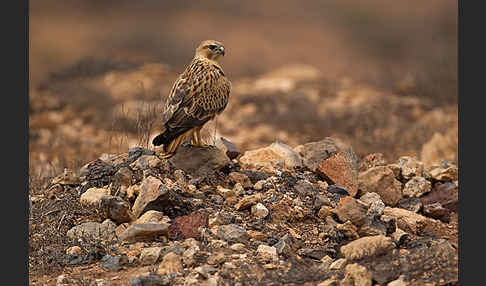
[187,226]
[446,194]
[341,169]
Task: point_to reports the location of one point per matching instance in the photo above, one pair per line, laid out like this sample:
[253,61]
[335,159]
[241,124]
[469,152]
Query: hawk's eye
[212,47]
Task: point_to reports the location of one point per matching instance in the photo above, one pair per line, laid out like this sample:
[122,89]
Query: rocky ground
[316,214]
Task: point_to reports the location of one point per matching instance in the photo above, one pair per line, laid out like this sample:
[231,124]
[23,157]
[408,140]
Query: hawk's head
[210,49]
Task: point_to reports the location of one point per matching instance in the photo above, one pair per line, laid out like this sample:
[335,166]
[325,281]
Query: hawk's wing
[200,93]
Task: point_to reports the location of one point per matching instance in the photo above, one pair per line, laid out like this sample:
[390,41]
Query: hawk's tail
[168,136]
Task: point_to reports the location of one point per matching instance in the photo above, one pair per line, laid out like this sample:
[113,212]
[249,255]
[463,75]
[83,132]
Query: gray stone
[314,153]
[233,233]
[411,204]
[93,231]
[198,161]
[113,263]
[416,187]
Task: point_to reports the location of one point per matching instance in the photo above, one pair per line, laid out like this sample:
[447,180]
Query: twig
[62,218]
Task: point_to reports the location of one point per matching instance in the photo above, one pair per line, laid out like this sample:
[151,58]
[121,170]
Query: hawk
[199,94]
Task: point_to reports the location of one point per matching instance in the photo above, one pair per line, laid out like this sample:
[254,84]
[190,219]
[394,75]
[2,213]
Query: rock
[369,198]
[314,153]
[113,263]
[338,264]
[390,223]
[436,211]
[241,178]
[283,246]
[171,263]
[399,236]
[150,280]
[248,201]
[100,282]
[116,209]
[257,235]
[225,193]
[341,169]
[205,270]
[189,256]
[267,253]
[313,253]
[411,204]
[407,220]
[144,232]
[430,261]
[197,161]
[303,187]
[372,226]
[357,275]
[150,216]
[150,255]
[325,211]
[232,233]
[259,185]
[239,247]
[216,258]
[399,282]
[68,177]
[381,180]
[372,160]
[441,146]
[123,176]
[259,211]
[368,246]
[376,209]
[448,174]
[74,250]
[410,167]
[351,209]
[93,231]
[268,158]
[152,194]
[132,192]
[446,194]
[416,187]
[187,226]
[92,197]
[227,147]
[349,230]
[328,282]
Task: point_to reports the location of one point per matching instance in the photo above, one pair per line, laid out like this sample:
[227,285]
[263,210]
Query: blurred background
[378,75]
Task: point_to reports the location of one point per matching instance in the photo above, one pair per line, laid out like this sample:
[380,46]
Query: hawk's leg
[172,148]
[196,138]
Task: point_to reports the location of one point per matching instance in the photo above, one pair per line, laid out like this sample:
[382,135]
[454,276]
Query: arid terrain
[358,104]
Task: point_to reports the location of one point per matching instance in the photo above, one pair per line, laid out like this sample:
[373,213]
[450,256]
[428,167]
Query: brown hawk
[199,94]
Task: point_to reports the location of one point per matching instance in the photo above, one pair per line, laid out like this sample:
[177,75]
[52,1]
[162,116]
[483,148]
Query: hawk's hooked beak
[221,50]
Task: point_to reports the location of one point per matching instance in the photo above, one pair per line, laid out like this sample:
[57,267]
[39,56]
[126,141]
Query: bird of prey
[199,94]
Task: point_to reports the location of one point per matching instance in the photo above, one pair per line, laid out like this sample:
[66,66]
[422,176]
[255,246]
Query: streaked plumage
[198,95]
